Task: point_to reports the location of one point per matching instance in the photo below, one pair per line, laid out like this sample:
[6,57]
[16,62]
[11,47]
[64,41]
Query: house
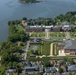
[67,48]
[72,68]
[32,55]
[53,69]
[30,70]
[24,22]
[66,26]
[47,70]
[11,70]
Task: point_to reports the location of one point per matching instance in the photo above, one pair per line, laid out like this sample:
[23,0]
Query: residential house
[72,68]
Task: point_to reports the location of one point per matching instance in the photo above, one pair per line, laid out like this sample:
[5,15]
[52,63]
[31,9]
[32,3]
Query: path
[46,35]
[67,35]
[24,55]
[51,49]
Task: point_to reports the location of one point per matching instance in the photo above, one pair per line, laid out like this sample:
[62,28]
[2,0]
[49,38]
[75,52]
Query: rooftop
[70,44]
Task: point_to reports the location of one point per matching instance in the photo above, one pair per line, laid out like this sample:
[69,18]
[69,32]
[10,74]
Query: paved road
[24,55]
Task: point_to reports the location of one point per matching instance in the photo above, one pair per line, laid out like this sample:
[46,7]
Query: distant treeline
[28,1]
[68,17]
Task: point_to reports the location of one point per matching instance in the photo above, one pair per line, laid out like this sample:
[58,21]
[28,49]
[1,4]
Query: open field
[51,34]
[37,34]
[72,34]
[57,34]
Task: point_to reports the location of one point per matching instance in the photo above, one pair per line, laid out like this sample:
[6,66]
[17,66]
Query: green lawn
[43,48]
[2,70]
[72,34]
[57,34]
[38,34]
[46,48]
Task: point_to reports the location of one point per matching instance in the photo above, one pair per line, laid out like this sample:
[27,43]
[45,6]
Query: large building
[65,26]
[67,48]
[38,28]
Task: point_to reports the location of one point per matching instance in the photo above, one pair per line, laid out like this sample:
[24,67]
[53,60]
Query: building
[67,48]
[30,70]
[10,71]
[56,29]
[24,22]
[72,68]
[34,29]
[66,26]
[38,28]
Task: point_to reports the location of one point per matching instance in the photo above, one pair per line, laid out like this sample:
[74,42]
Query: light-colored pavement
[67,34]
[24,55]
[51,49]
[47,35]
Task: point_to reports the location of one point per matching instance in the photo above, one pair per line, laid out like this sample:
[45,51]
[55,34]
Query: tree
[47,64]
[10,64]
[24,18]
[70,60]
[60,70]
[18,68]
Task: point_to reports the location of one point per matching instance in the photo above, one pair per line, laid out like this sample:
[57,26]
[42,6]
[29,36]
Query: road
[24,55]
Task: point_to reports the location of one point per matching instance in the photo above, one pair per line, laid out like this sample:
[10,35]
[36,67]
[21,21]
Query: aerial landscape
[38,37]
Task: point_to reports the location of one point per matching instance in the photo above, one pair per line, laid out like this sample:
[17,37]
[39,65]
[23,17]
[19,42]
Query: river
[13,9]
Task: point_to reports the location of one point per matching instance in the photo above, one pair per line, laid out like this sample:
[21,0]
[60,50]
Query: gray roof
[70,44]
[72,67]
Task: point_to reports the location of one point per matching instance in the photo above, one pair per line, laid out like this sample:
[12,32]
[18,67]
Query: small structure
[24,22]
[10,71]
[47,70]
[32,55]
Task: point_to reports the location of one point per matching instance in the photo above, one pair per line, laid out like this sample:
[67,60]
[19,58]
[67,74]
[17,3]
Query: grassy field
[37,34]
[57,34]
[46,48]
[43,48]
[72,34]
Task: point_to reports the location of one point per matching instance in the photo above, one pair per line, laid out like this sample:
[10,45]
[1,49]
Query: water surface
[13,9]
